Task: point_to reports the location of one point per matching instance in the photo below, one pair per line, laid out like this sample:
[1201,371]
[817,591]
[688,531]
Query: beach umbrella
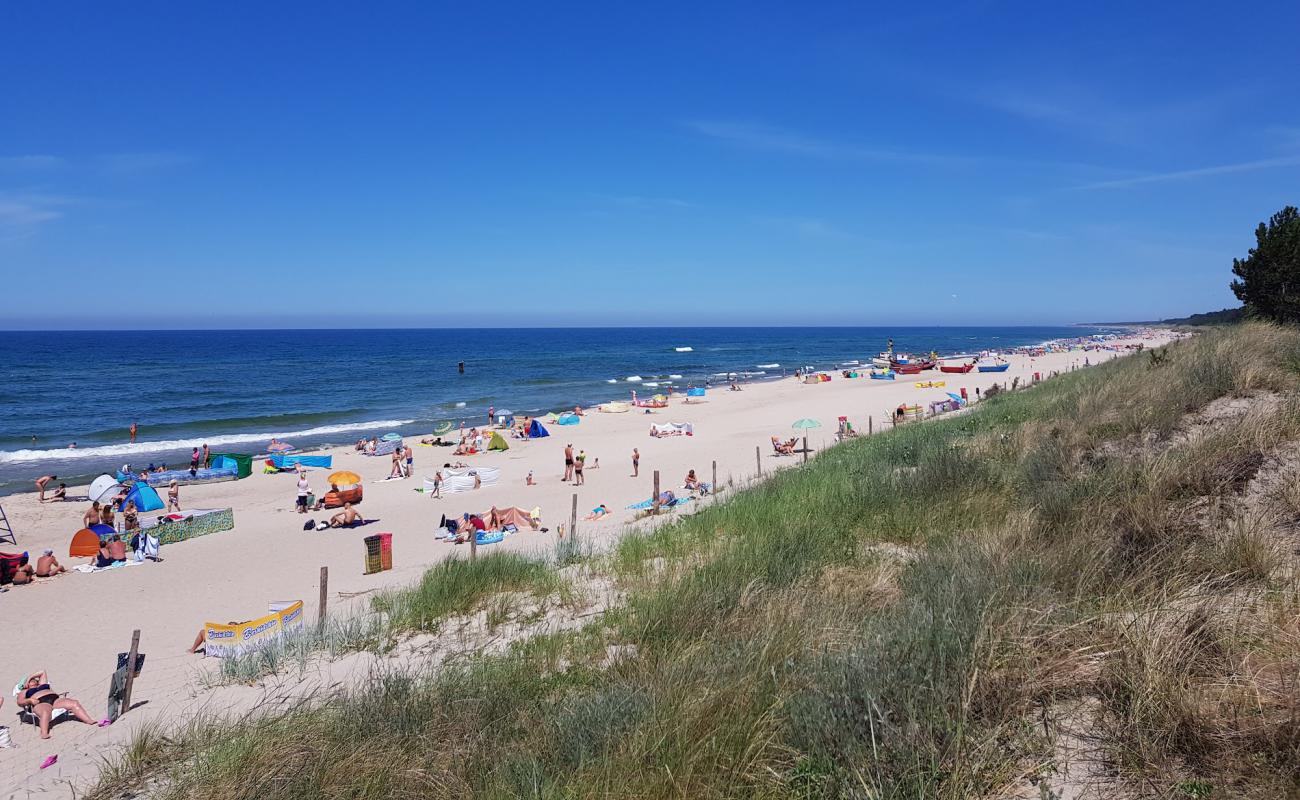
[392,437]
[345,478]
[957,397]
[443,427]
[105,487]
[805,424]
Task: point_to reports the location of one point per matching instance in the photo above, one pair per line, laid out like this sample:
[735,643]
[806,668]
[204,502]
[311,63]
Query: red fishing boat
[908,369]
[959,370]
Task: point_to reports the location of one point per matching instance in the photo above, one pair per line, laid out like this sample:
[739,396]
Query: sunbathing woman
[37,697]
[691,482]
[598,512]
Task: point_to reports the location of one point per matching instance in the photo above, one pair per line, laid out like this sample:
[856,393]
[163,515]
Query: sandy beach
[73,626]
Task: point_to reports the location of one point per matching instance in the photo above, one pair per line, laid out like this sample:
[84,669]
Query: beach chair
[777,446]
[26,716]
[6,530]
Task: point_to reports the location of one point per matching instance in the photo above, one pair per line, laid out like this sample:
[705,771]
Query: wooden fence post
[324,596]
[654,505]
[758,458]
[714,487]
[473,543]
[805,449]
[130,670]
[871,424]
[573,516]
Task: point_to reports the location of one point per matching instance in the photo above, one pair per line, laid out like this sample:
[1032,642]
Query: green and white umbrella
[805,424]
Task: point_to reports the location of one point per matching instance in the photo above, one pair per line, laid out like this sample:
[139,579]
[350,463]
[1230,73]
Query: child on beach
[636,462]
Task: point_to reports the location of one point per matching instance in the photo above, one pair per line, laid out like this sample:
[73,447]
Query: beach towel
[671,502]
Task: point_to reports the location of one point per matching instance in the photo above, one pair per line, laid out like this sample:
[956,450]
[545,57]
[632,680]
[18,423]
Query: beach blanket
[645,504]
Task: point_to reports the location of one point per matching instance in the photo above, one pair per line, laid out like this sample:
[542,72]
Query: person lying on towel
[346,518]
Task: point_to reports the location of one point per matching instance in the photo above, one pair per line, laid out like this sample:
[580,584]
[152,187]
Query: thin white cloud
[1192,174]
[30,162]
[772,139]
[810,228]
[21,211]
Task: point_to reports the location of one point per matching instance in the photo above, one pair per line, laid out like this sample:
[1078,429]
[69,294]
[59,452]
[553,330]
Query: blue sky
[259,165]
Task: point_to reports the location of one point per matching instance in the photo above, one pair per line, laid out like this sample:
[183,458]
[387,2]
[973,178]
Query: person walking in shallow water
[134,429]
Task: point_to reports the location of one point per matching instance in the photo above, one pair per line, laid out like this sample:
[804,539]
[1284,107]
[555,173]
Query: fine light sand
[74,625]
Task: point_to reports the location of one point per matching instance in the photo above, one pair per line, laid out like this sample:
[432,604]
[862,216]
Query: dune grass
[904,617]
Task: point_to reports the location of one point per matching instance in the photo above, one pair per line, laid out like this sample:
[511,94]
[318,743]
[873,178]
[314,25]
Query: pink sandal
[49,761]
[104,723]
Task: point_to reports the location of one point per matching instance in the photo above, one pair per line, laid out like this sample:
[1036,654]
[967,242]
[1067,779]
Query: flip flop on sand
[49,761]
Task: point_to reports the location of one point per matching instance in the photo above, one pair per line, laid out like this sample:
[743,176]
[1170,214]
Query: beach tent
[105,487]
[568,419]
[85,542]
[462,480]
[144,497]
[695,391]
[497,442]
[536,431]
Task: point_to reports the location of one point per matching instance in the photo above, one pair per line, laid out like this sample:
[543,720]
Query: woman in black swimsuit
[37,697]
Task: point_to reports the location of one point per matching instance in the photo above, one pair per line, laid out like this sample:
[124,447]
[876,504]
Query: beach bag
[309,525]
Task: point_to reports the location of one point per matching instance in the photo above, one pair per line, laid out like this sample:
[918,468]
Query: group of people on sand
[786,448]
[60,494]
[46,566]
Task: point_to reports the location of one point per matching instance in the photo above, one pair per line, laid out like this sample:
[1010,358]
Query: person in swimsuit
[304,489]
[578,464]
[37,697]
[173,496]
[24,574]
[92,515]
[106,515]
[130,519]
[40,485]
[116,549]
[598,512]
[345,518]
[134,429]
[568,462]
[691,481]
[60,493]
[636,462]
[47,566]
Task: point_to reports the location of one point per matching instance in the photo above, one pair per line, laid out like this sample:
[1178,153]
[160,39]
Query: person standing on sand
[304,489]
[134,429]
[437,484]
[40,485]
[410,462]
[174,494]
[636,462]
[578,464]
[491,413]
[91,517]
[568,462]
[195,457]
[207,456]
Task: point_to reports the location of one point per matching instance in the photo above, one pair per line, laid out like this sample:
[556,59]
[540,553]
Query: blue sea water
[235,389]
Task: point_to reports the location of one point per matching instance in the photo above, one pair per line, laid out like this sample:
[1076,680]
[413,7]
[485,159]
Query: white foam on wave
[460,405]
[675,377]
[684,349]
[768,366]
[612,380]
[633,379]
[651,384]
[215,442]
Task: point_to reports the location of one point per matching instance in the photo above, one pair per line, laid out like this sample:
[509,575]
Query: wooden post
[324,595]
[473,543]
[573,516]
[758,459]
[654,505]
[714,488]
[130,670]
[805,449]
[871,424]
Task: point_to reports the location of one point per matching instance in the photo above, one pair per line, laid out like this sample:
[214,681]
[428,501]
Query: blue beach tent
[536,431]
[144,497]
